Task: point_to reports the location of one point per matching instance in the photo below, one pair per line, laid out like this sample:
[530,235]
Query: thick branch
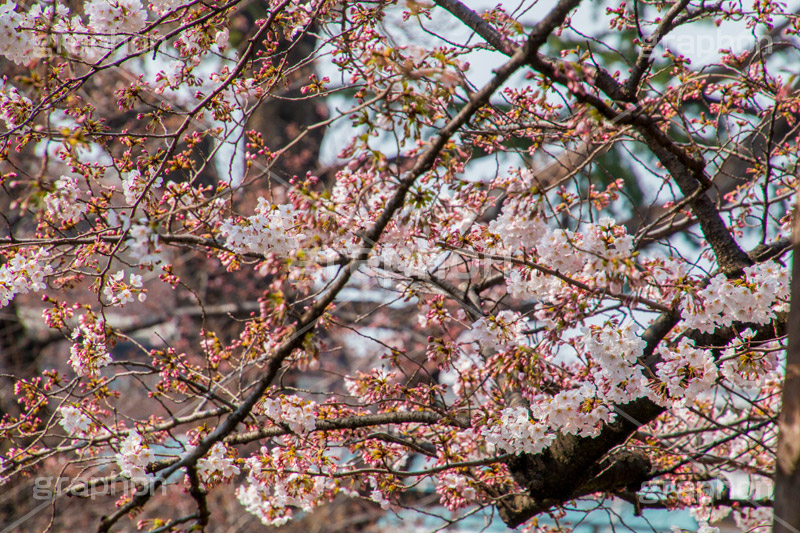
[475,22]
[686,169]
[645,58]
[567,468]
[734,171]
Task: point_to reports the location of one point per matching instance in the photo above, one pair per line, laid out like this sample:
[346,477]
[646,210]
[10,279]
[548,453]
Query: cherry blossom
[217,465]
[13,41]
[515,433]
[74,421]
[617,348]
[293,411]
[120,293]
[134,185]
[431,256]
[686,370]
[272,229]
[143,244]
[63,202]
[133,457]
[504,329]
[23,272]
[116,16]
[271,493]
[754,299]
[88,353]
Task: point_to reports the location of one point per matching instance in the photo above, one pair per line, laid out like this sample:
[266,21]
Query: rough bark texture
[787,471]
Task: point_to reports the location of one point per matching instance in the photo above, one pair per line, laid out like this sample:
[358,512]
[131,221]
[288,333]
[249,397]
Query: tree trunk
[787,469]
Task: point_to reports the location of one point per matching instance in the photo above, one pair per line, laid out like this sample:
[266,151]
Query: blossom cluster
[501,330]
[754,298]
[256,500]
[271,492]
[465,374]
[518,229]
[753,519]
[527,283]
[133,457]
[13,42]
[687,371]
[563,250]
[195,42]
[217,465]
[293,411]
[23,272]
[74,421]
[134,185]
[272,229]
[14,106]
[120,293]
[747,367]
[272,505]
[404,252]
[88,353]
[374,385]
[616,349]
[25,35]
[516,433]
[164,5]
[601,254]
[377,495]
[579,411]
[412,257]
[143,244]
[455,490]
[116,16]
[62,203]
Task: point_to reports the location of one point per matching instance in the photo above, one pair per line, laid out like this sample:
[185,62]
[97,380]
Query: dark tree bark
[787,469]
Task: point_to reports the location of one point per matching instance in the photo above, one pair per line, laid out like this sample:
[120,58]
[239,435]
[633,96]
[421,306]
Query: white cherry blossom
[270,230]
[133,457]
[293,411]
[74,421]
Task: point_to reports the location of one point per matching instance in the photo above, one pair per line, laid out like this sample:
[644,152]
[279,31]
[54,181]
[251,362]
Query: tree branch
[308,320]
[562,471]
